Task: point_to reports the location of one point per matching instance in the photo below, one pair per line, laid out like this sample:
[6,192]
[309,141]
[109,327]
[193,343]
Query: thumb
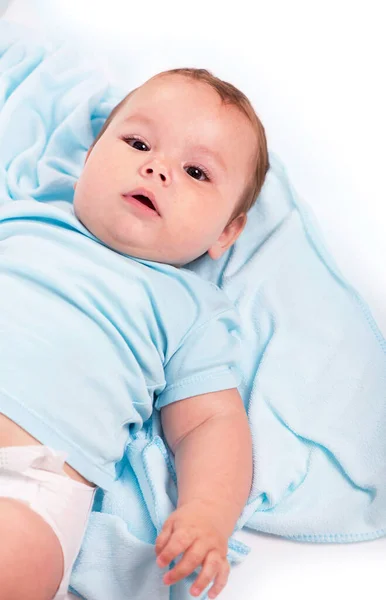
[164,536]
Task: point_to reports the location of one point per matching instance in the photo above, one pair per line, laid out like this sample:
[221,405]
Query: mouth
[145,200]
[142,200]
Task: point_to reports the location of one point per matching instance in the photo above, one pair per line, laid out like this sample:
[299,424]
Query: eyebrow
[198,148]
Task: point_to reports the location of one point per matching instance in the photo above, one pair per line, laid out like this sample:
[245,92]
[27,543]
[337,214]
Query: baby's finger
[179,541]
[163,538]
[220,581]
[212,568]
[192,558]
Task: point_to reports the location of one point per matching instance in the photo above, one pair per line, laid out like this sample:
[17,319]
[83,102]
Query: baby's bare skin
[31,557]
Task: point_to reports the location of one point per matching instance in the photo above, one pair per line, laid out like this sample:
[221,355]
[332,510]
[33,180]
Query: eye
[193,171]
[138,141]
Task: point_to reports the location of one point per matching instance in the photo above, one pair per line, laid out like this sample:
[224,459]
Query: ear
[228,236]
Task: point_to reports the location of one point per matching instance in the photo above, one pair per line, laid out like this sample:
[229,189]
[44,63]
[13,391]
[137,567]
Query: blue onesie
[91,339]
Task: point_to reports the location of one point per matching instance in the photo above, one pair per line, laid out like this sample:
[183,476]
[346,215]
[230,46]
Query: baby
[100,324]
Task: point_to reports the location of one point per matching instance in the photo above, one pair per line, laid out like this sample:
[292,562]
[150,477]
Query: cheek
[92,182]
[196,231]
[79,204]
[85,198]
[81,194]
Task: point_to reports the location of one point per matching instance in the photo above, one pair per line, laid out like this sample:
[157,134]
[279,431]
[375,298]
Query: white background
[315,72]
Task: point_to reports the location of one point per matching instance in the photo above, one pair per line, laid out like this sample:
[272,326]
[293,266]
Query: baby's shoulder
[191,298]
[181,283]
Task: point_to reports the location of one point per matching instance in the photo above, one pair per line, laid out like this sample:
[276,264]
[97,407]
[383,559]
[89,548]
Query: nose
[156,168]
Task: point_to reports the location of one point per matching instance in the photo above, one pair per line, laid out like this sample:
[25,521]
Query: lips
[145,197]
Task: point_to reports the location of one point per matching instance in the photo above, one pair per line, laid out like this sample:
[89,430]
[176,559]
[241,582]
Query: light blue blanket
[314,361]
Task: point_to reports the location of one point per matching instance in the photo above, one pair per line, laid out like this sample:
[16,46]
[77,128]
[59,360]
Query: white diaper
[34,475]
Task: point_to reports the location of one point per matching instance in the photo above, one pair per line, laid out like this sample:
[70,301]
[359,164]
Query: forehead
[193,112]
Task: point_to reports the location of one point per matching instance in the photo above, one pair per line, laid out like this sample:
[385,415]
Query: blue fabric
[313,364]
[100,337]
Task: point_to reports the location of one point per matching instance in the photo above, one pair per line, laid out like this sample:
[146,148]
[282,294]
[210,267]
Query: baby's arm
[211,440]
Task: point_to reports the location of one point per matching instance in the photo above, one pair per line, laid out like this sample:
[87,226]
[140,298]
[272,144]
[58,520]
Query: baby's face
[175,140]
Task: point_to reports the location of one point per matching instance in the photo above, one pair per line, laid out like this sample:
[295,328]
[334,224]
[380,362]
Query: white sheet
[314,73]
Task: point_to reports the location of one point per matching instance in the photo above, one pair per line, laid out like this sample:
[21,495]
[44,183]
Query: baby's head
[194,146]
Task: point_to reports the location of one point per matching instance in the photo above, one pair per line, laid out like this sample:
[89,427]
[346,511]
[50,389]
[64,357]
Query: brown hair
[229,94]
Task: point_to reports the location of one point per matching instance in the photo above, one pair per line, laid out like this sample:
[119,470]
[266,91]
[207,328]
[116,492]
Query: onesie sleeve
[206,361]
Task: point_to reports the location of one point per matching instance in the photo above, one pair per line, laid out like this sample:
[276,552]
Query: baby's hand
[191,530]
